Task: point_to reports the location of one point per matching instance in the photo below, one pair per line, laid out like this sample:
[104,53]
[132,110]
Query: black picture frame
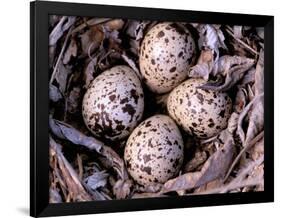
[39,120]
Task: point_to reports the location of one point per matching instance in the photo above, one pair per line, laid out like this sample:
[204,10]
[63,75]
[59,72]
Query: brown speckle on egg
[154,151]
[166,54]
[113,104]
[201,113]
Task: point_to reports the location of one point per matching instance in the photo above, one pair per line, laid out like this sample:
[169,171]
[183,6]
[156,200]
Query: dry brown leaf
[233,69]
[147,195]
[259,75]
[61,76]
[70,52]
[97,180]
[199,158]
[54,196]
[204,65]
[74,187]
[131,28]
[122,188]
[258,150]
[241,180]
[209,186]
[67,132]
[54,93]
[74,100]
[115,161]
[64,24]
[115,24]
[211,170]
[256,121]
[139,31]
[249,77]
[255,109]
[136,30]
[93,45]
[92,39]
[232,122]
[89,23]
[241,153]
[240,100]
[152,188]
[132,64]
[89,71]
[237,31]
[241,46]
[211,37]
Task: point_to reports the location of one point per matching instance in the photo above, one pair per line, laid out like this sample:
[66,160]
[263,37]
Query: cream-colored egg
[202,113]
[166,54]
[113,104]
[154,151]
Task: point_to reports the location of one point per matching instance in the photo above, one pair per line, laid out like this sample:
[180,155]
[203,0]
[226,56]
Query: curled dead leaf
[233,69]
[54,93]
[204,65]
[115,24]
[67,132]
[96,180]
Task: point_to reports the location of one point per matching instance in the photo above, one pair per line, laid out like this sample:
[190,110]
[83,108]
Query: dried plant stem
[76,191]
[60,57]
[91,22]
[205,141]
[243,114]
[241,42]
[244,172]
[80,166]
[232,186]
[240,181]
[248,146]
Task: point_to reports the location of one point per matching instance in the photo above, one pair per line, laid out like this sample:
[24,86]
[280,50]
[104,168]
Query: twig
[204,141]
[248,146]
[59,57]
[241,42]
[239,181]
[80,166]
[61,183]
[243,114]
[231,186]
[243,173]
[91,22]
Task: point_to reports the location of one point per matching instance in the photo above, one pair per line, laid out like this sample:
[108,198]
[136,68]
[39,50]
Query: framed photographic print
[141,109]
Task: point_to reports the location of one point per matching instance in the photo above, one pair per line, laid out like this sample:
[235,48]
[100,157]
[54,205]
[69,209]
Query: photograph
[153,109]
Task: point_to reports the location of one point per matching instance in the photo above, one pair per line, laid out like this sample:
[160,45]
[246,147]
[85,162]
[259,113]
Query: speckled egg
[113,104]
[166,54]
[154,151]
[201,113]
